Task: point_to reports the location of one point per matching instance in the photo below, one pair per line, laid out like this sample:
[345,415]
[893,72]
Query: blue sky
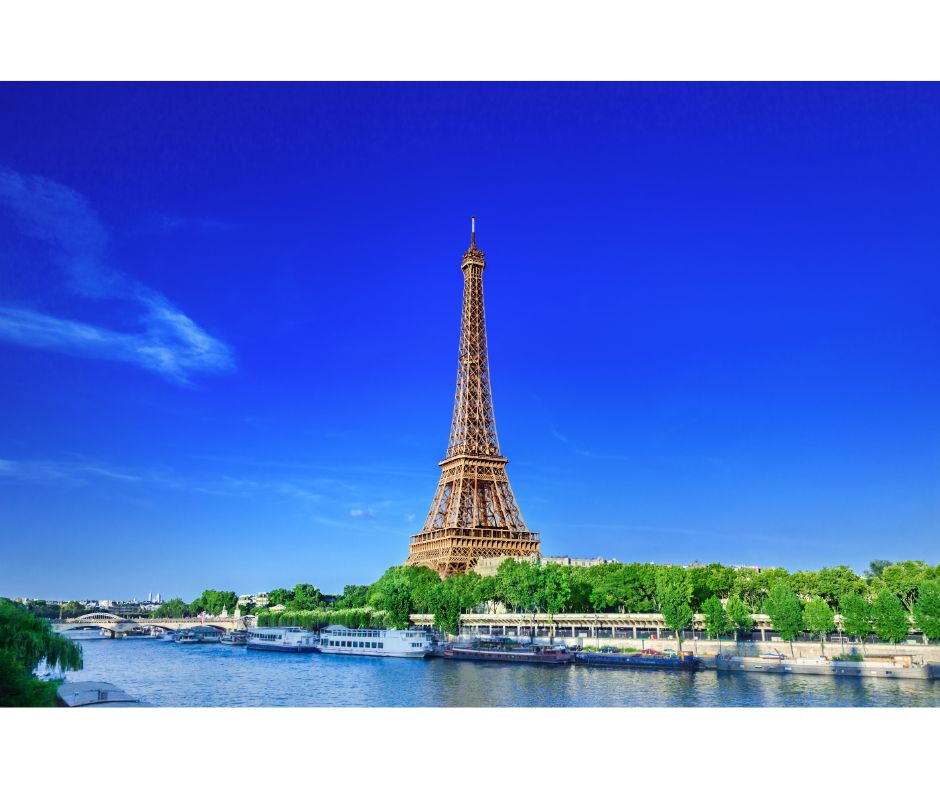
[229,318]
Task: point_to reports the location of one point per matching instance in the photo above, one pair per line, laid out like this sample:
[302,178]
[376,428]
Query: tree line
[882,601]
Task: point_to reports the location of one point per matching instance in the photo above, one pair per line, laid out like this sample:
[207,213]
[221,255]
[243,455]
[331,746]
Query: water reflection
[168,674]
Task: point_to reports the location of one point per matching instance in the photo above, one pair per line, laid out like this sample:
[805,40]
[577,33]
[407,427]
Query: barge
[898,667]
[502,650]
[684,662]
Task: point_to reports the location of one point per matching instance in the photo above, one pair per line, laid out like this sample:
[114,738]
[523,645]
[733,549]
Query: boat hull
[355,653]
[639,661]
[278,647]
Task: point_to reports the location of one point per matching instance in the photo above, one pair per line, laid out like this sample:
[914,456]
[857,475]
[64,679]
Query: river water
[169,674]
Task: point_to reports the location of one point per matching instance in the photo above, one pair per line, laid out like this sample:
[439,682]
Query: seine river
[168,674]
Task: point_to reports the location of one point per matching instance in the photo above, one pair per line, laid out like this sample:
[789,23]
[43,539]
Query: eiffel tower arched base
[450,551]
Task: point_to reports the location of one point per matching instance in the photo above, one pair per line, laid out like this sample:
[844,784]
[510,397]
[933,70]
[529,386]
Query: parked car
[609,650]
[651,652]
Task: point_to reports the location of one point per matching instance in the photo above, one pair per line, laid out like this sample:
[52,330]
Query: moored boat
[291,639]
[77,694]
[896,667]
[635,660]
[234,638]
[375,642]
[198,634]
[505,650]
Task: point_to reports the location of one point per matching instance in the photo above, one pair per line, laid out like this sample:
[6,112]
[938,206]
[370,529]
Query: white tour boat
[292,639]
[375,642]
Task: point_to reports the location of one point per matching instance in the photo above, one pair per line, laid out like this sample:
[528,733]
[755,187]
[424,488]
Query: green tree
[279,596]
[488,590]
[353,596]
[786,614]
[834,583]
[518,582]
[738,615]
[805,584]
[819,619]
[25,641]
[393,594]
[421,581]
[856,617]
[629,588]
[446,605]
[172,608]
[306,596]
[73,609]
[876,567]
[608,587]
[904,578]
[553,590]
[709,581]
[579,600]
[467,587]
[754,586]
[418,581]
[214,602]
[717,622]
[889,619]
[672,594]
[927,609]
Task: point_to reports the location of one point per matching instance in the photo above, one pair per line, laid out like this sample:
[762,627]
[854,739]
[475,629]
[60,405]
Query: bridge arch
[92,618]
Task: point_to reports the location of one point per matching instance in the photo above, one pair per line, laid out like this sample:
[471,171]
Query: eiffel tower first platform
[474,513]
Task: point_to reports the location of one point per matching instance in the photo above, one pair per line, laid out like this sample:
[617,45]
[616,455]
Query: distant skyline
[229,318]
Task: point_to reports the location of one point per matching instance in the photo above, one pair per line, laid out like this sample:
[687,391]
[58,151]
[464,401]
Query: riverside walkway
[638,629]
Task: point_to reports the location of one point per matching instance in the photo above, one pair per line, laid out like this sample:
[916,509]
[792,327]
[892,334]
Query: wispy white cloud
[69,472]
[169,222]
[586,452]
[169,342]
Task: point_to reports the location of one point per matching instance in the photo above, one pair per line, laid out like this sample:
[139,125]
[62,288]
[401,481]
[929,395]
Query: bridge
[119,626]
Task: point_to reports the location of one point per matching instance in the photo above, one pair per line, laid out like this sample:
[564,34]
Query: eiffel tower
[474,513]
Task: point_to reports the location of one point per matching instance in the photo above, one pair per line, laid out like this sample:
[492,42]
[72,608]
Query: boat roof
[277,629]
[95,693]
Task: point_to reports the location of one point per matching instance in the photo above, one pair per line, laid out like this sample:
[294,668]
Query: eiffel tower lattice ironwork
[474,512]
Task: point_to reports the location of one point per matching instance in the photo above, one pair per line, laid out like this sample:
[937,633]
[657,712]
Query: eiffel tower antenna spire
[474,512]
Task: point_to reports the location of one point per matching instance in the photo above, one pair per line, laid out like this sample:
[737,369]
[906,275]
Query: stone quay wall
[752,648]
